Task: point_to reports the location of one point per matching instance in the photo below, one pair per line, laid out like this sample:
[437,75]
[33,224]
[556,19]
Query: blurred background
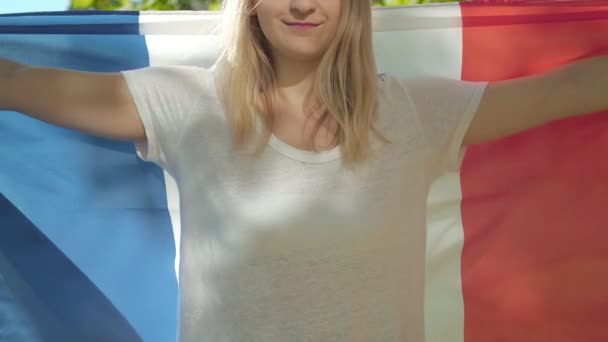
[16,6]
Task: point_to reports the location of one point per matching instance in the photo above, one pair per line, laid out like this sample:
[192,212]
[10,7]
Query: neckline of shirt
[298,154]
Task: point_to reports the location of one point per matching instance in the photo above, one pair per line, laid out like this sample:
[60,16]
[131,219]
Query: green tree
[151,5]
[145,5]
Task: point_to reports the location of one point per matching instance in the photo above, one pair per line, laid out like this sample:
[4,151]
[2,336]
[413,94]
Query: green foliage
[145,5]
[160,5]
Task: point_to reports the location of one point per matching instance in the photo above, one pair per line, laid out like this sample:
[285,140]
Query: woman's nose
[303,7]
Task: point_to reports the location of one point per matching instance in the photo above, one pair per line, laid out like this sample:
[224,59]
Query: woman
[303,175]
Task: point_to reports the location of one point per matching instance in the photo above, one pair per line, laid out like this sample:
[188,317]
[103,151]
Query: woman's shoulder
[392,88]
[397,84]
[426,86]
[174,76]
[186,90]
[403,81]
[188,75]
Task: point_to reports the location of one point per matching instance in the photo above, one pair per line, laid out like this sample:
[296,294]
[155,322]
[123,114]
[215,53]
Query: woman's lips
[301,24]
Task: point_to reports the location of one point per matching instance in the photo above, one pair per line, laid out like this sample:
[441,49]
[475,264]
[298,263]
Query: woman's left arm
[515,105]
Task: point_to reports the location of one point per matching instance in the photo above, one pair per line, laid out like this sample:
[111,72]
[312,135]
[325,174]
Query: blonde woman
[303,174]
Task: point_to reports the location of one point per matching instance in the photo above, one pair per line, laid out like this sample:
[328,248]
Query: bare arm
[95,103]
[518,104]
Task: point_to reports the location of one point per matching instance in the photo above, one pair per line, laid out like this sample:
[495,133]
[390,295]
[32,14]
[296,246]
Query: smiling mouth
[301,24]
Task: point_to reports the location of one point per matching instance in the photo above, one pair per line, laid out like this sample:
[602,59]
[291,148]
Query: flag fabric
[517,242]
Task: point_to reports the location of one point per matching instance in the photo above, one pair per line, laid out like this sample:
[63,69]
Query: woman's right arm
[96,103]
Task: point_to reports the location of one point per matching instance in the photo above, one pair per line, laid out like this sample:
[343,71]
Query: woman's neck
[295,80]
[295,113]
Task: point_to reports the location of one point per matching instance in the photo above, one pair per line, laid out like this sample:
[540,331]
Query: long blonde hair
[345,81]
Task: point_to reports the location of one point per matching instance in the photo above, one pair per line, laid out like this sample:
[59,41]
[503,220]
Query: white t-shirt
[293,246]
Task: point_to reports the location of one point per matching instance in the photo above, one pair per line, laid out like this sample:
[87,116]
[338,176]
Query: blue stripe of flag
[74,22]
[93,215]
[99,15]
[61,302]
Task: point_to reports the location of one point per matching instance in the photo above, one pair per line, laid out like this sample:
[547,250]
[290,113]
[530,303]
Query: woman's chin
[302,54]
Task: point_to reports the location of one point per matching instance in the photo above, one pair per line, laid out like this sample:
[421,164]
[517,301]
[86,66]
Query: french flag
[517,240]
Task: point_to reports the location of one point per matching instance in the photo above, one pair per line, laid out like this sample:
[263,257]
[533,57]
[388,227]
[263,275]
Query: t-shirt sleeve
[445,108]
[165,96]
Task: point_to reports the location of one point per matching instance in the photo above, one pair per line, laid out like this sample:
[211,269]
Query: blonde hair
[345,82]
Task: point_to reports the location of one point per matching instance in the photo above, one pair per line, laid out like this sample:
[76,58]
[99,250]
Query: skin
[507,106]
[296,52]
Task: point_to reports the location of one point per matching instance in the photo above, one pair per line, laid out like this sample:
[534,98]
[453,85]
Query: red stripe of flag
[535,205]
